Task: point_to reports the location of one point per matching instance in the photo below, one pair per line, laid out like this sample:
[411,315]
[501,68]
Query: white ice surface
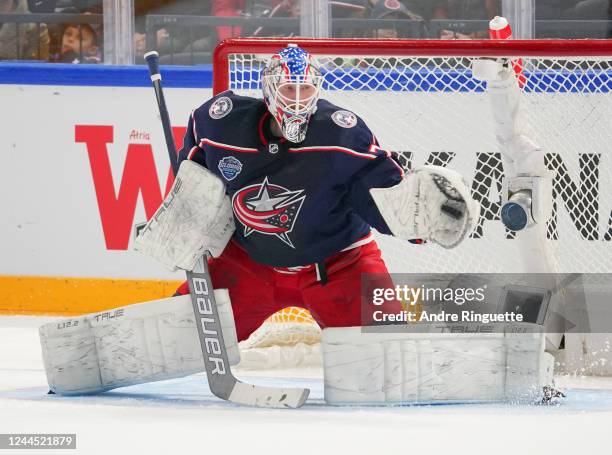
[182,417]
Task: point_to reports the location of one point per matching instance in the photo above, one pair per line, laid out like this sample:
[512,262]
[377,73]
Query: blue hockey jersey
[294,204]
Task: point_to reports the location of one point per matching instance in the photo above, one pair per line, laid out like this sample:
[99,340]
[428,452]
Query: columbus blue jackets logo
[345,119]
[220,108]
[268,209]
[230,167]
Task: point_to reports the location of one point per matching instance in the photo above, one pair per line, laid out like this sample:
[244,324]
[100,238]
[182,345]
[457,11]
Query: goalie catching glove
[431,203]
[195,217]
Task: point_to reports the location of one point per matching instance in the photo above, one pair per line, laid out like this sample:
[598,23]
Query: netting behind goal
[421,101]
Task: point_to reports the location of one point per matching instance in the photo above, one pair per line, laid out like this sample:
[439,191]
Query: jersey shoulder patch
[220,107]
[227,104]
[340,127]
[344,118]
[340,116]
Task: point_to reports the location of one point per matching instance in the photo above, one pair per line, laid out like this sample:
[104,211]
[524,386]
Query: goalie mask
[291,84]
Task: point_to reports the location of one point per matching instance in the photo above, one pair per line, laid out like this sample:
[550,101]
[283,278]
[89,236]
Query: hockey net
[421,101]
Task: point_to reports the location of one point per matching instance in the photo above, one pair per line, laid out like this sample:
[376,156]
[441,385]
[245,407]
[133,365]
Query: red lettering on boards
[139,177]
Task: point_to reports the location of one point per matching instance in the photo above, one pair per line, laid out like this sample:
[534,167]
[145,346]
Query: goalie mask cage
[420,100]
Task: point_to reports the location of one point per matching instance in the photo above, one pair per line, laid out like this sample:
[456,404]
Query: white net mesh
[285,328]
[431,111]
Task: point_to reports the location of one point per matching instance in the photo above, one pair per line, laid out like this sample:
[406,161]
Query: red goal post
[404,48]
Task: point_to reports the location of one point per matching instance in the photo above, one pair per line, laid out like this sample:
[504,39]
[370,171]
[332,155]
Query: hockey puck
[513,216]
[452,211]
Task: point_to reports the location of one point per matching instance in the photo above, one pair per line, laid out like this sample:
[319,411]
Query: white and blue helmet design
[291,84]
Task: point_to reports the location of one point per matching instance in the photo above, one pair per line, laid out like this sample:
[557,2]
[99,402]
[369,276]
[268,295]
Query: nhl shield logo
[230,167]
[220,108]
[345,119]
[268,209]
[273,148]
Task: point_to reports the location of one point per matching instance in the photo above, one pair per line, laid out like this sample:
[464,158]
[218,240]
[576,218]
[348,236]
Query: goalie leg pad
[139,343]
[418,368]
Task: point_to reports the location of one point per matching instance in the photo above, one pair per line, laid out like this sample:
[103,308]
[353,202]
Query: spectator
[563,11]
[483,10]
[52,6]
[350,9]
[393,9]
[230,8]
[171,39]
[27,41]
[261,9]
[79,45]
[275,9]
[162,41]
[42,6]
[234,8]
[180,44]
[73,42]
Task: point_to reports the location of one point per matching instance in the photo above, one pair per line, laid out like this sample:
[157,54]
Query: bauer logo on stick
[220,108]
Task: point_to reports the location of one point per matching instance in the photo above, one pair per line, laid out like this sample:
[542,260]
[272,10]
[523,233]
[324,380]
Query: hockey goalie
[283,193]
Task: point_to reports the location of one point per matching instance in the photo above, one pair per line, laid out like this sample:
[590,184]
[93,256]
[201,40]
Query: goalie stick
[222,382]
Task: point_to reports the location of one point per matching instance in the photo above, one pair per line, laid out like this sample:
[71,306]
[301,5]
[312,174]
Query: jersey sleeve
[191,149]
[383,171]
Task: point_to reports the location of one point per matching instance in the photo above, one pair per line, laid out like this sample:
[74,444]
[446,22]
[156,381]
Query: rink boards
[84,162]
